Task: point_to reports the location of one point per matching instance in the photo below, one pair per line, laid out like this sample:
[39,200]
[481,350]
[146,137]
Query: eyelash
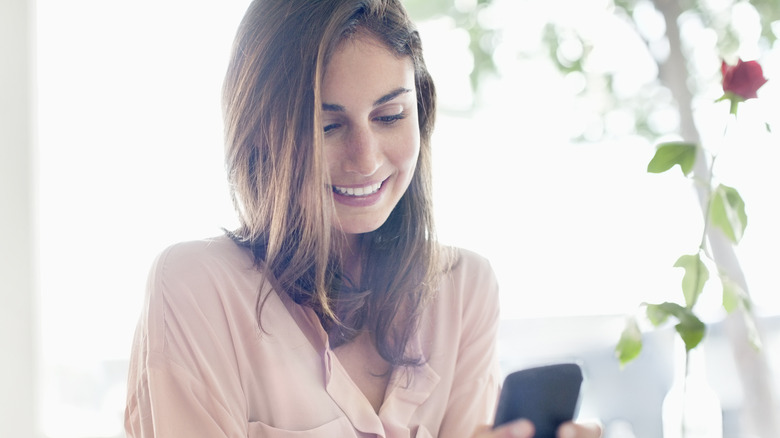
[386,120]
[389,120]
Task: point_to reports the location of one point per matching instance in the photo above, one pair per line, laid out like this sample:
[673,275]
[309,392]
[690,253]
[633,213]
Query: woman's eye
[330,127]
[389,120]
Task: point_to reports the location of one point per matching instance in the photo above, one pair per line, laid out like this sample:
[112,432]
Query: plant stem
[760,402]
[708,203]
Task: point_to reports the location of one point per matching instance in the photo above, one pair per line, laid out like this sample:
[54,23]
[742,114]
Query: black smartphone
[548,396]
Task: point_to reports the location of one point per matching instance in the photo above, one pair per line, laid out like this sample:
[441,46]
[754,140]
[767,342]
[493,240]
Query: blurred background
[549,112]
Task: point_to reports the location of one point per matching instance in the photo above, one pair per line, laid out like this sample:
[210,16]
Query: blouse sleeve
[477,378]
[181,380]
[169,402]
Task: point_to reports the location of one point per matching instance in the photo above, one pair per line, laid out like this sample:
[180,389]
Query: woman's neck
[351,255]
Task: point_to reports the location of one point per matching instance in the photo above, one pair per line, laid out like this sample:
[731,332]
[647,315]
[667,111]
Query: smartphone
[548,396]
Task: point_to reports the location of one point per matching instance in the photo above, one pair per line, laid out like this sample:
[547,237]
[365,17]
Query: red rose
[743,79]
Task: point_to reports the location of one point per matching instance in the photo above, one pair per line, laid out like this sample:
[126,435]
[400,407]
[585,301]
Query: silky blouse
[202,366]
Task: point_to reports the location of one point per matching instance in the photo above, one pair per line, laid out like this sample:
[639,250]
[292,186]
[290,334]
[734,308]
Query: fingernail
[521,429]
[567,431]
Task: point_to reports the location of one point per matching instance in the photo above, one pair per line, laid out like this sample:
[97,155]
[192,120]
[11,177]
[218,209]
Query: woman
[331,311]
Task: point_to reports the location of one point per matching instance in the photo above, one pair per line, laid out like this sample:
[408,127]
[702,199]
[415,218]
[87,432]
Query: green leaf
[734,296]
[691,329]
[727,212]
[659,313]
[696,274]
[669,154]
[630,344]
[730,297]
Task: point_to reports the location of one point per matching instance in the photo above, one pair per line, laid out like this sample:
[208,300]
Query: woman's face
[372,136]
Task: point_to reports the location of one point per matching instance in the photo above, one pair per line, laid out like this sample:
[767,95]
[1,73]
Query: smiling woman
[334,269]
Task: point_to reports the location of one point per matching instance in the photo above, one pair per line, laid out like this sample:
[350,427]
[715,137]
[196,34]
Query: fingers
[579,430]
[515,429]
[525,429]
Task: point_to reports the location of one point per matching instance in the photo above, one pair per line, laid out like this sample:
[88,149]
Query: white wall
[17,292]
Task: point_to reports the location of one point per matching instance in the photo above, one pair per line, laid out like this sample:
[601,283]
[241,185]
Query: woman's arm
[473,324]
[167,401]
[182,379]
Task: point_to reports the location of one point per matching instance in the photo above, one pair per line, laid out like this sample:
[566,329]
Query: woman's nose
[363,155]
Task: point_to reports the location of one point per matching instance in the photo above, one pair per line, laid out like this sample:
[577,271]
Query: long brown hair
[279,181]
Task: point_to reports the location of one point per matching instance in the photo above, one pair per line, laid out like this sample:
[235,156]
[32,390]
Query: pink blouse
[202,367]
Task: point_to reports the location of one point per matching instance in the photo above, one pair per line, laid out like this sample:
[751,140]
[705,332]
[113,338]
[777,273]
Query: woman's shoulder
[468,295]
[462,262]
[203,271]
[219,251]
[209,284]
[468,276]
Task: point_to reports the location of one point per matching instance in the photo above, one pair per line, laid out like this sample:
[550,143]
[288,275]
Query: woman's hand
[525,429]
[579,430]
[515,429]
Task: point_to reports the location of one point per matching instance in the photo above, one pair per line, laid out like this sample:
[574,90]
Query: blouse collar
[407,389]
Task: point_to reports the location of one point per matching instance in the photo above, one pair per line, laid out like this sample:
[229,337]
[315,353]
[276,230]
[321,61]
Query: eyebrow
[384,99]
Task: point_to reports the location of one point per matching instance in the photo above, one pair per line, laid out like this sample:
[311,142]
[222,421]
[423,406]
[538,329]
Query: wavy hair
[279,182]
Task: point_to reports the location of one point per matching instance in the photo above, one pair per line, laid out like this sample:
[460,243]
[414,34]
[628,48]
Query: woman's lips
[358,191]
[359,196]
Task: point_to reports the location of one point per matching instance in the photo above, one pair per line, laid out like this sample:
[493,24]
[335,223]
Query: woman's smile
[358,191]
[358,196]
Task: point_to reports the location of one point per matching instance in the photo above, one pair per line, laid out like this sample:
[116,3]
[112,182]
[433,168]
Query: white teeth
[358,191]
